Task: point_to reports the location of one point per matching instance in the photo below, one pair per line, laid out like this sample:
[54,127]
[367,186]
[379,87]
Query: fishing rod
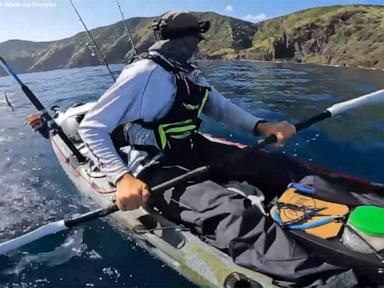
[49,229]
[8,102]
[101,57]
[126,27]
[39,106]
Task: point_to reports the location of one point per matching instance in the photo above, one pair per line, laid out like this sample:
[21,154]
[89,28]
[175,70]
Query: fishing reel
[38,124]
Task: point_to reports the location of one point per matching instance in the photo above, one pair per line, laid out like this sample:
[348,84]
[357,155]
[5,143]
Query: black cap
[176,24]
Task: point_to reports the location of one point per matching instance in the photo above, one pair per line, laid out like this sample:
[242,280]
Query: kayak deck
[186,253]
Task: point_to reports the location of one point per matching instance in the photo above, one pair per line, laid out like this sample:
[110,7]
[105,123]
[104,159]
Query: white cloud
[255,18]
[229,8]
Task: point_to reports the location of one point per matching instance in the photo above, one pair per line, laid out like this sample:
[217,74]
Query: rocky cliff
[338,35]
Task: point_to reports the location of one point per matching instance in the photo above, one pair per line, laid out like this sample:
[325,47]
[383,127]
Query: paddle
[372,98]
[62,225]
[336,109]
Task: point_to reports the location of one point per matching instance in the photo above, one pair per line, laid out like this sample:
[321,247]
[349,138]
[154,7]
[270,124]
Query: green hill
[337,35]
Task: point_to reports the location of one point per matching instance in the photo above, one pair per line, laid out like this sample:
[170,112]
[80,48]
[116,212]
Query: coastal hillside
[338,35]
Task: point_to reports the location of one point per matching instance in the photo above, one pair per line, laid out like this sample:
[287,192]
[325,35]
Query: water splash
[72,247]
[112,273]
[24,199]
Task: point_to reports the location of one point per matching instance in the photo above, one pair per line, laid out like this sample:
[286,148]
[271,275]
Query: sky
[46,20]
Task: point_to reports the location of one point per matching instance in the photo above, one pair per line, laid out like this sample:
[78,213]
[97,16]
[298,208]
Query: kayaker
[146,95]
[154,110]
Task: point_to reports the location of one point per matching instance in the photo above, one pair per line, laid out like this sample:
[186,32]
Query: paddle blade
[34,235]
[372,98]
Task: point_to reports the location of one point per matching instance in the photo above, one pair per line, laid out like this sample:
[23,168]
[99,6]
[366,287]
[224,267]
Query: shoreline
[295,63]
[220,60]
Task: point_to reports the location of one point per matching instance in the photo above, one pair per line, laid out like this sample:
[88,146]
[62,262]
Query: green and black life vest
[176,130]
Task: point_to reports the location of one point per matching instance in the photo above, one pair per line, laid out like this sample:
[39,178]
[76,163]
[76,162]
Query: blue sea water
[34,190]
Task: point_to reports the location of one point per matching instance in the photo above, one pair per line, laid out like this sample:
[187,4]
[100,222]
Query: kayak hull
[177,247]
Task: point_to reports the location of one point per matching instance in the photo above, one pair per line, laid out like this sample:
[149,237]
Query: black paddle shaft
[194,174]
[102,212]
[299,126]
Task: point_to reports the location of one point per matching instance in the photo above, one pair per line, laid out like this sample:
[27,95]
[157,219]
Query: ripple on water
[73,246]
[5,139]
[24,195]
[112,273]
[31,191]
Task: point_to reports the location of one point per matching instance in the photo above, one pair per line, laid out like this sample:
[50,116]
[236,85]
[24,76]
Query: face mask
[194,55]
[179,49]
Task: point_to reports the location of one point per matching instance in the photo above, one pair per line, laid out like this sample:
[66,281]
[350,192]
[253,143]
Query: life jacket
[175,131]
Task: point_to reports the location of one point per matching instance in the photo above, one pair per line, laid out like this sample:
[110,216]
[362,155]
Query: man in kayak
[153,110]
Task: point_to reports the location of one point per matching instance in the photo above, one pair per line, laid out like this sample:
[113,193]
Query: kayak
[355,239]
[175,245]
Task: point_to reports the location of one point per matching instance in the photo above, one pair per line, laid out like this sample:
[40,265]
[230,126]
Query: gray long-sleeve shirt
[144,90]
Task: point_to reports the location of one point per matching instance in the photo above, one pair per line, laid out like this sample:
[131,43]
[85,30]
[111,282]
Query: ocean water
[34,190]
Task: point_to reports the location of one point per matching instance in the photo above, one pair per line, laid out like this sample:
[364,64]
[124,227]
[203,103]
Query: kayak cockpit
[332,248]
